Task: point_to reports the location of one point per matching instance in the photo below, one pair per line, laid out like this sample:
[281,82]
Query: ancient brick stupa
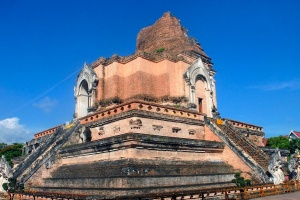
[145,124]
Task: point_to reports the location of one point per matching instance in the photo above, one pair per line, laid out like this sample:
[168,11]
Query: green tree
[11,151]
[294,144]
[280,142]
[13,186]
[2,145]
[240,181]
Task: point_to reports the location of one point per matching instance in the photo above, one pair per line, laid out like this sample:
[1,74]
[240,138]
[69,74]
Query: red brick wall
[228,155]
[141,76]
[166,33]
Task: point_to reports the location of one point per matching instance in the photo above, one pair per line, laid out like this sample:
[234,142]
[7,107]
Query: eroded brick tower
[168,68]
[144,124]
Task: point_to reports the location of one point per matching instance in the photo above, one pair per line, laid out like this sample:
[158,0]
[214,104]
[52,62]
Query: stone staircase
[242,146]
[254,151]
[35,160]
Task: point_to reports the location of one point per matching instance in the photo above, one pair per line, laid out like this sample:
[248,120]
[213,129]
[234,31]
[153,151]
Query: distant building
[294,135]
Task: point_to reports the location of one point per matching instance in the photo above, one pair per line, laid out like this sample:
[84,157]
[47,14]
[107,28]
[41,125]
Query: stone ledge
[149,110]
[145,141]
[132,193]
[137,168]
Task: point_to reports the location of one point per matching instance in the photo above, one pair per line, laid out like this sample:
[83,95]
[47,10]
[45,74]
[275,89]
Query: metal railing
[226,193]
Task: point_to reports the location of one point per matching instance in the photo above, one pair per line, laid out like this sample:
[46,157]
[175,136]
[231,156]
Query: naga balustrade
[256,153]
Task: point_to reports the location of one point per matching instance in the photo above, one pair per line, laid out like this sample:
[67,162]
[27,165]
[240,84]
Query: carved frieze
[157,127]
[135,123]
[145,114]
[175,129]
[116,129]
[100,130]
[192,131]
[135,171]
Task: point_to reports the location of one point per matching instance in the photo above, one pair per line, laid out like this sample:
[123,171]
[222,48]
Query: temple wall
[201,93]
[229,156]
[36,178]
[177,83]
[141,76]
[149,126]
[256,139]
[144,154]
[211,136]
[208,153]
[100,87]
[238,164]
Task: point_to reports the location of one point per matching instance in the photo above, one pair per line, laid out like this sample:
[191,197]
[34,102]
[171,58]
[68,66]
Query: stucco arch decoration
[198,72]
[85,91]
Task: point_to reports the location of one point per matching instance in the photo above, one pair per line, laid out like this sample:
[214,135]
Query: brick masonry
[187,153]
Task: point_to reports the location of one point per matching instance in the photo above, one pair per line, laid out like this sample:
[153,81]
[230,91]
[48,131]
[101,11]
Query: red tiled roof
[297,133]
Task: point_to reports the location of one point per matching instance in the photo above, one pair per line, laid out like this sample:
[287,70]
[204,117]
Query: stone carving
[135,123]
[198,72]
[134,171]
[85,134]
[5,172]
[192,105]
[116,129]
[157,127]
[274,168]
[129,170]
[192,131]
[100,130]
[293,166]
[175,129]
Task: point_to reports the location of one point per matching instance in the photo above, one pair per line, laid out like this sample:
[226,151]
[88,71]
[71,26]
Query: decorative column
[92,100]
[191,105]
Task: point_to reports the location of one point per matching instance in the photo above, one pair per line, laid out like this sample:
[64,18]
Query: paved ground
[288,196]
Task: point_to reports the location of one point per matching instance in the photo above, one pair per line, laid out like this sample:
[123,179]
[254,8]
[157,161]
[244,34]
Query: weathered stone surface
[145,141]
[139,147]
[167,36]
[131,176]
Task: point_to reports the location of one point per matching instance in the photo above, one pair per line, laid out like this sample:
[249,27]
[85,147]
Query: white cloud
[47,104]
[291,85]
[12,131]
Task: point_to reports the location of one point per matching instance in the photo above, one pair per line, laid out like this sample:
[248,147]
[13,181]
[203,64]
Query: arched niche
[83,98]
[201,94]
[85,91]
[201,84]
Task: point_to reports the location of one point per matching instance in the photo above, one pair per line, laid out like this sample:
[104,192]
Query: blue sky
[254,46]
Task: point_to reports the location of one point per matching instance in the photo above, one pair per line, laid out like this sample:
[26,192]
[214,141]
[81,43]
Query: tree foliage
[280,142]
[284,143]
[2,145]
[240,181]
[294,144]
[11,151]
[13,186]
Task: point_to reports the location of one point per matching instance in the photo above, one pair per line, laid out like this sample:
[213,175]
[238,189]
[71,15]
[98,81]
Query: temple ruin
[145,123]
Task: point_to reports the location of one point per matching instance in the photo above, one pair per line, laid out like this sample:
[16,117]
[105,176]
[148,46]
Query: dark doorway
[200,102]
